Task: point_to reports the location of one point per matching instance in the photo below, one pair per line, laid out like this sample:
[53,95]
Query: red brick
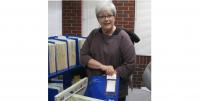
[118,4]
[122,8]
[120,11]
[129,11]
[128,19]
[128,26]
[76,24]
[131,22]
[76,32]
[119,19]
[129,3]
[141,60]
[146,60]
[67,24]
[70,14]
[131,15]
[67,10]
[131,8]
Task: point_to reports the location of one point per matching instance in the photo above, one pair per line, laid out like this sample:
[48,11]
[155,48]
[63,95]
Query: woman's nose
[106,18]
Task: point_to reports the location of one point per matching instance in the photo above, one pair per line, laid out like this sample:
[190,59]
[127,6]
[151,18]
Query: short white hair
[109,6]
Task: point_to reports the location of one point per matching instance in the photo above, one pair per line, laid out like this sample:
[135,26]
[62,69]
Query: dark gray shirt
[116,50]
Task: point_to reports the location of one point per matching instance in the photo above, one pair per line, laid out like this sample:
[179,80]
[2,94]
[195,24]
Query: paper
[52,57]
[80,43]
[112,77]
[110,86]
[61,54]
[71,45]
[72,52]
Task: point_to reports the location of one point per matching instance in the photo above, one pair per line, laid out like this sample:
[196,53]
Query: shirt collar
[117,30]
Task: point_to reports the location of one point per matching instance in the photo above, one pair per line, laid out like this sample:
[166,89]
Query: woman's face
[106,19]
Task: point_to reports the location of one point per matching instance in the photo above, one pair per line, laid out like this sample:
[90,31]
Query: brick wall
[141,63]
[125,13]
[71,17]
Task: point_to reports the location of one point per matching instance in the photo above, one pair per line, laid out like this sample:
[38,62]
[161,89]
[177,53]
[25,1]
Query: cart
[77,92]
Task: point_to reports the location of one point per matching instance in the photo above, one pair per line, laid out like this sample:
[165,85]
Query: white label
[110,86]
[112,77]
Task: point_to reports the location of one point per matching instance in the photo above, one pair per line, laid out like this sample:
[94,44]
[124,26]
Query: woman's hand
[109,69]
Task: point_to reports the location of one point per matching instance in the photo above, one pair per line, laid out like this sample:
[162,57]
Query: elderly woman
[108,49]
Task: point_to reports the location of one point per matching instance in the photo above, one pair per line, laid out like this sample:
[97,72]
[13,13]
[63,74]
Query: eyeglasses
[104,17]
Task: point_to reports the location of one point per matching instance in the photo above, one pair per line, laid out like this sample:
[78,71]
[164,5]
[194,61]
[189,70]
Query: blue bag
[97,88]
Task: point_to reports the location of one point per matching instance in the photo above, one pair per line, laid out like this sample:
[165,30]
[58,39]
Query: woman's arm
[108,69]
[128,55]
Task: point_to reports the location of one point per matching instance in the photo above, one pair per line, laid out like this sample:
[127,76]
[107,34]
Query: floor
[142,94]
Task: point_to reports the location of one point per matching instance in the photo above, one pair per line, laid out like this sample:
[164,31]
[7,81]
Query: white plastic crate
[75,92]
